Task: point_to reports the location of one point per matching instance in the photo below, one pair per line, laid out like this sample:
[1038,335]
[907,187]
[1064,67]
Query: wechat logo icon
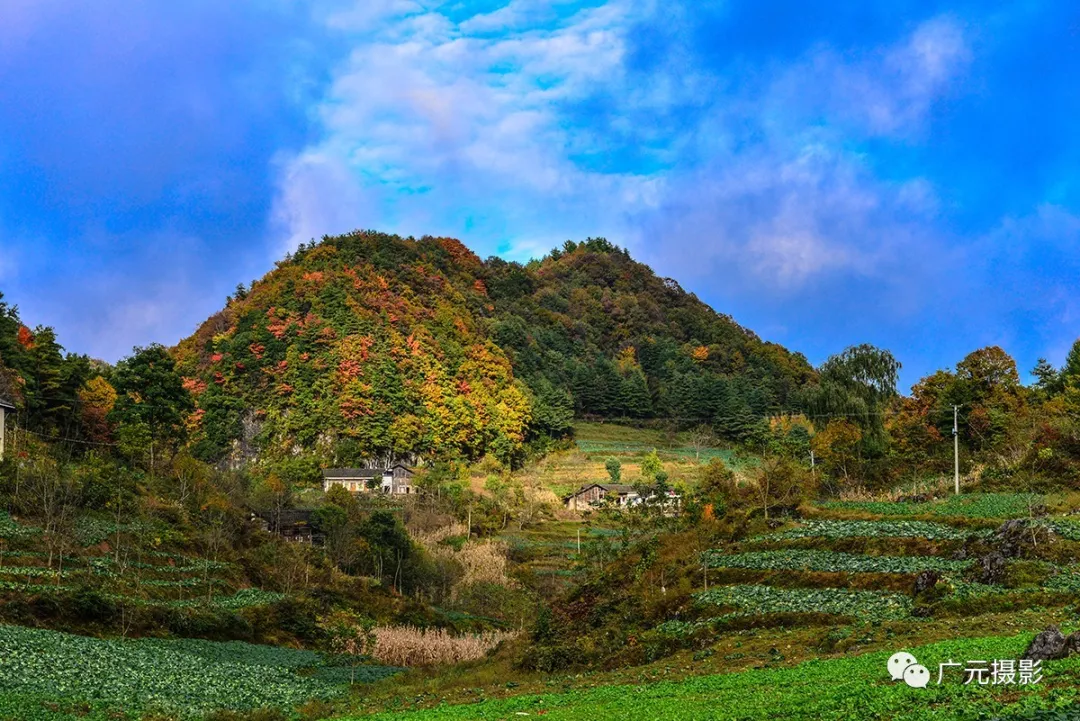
[903,666]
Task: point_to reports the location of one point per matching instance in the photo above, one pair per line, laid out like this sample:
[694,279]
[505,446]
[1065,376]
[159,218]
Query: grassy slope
[843,688]
[564,471]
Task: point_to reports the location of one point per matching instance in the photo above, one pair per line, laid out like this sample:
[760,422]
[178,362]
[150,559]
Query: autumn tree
[837,445]
[701,437]
[780,482]
[348,636]
[97,398]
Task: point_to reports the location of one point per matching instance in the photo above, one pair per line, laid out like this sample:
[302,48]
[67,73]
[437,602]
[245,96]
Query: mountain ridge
[369,343]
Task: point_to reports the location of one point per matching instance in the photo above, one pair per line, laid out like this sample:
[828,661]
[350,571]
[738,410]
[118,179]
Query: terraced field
[149,578]
[978,505]
[830,579]
[550,557]
[810,560]
[777,574]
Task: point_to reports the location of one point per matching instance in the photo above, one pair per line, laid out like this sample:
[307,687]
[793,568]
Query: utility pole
[956,448]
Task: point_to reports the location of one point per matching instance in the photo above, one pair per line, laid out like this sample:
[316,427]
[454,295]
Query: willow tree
[856,385]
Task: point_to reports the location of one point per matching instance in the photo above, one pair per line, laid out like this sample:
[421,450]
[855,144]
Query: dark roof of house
[353,473]
[5,403]
[617,488]
[361,472]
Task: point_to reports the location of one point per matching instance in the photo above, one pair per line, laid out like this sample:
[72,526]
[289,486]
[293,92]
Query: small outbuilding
[593,494]
[293,524]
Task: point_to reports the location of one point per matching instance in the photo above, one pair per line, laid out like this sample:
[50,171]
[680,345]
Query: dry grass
[937,486]
[480,561]
[431,538]
[484,562]
[412,646]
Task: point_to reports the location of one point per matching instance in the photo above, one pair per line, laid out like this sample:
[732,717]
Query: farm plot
[159,579]
[46,672]
[756,600]
[975,505]
[829,561]
[872,529]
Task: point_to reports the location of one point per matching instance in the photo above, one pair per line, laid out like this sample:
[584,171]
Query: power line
[55,439]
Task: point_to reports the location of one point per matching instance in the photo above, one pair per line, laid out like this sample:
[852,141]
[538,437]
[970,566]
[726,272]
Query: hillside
[369,345]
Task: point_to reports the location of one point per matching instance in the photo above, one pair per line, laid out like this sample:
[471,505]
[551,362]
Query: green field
[978,505]
[809,560]
[612,439]
[871,529]
[841,689]
[53,676]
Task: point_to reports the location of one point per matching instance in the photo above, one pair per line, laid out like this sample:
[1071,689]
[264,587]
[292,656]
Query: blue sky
[903,174]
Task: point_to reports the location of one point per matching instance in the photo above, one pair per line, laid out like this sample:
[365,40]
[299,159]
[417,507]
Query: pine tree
[585,389]
[45,402]
[608,389]
[634,395]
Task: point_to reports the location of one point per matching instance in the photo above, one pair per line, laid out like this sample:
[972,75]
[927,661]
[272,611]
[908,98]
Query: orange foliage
[194,386]
[700,354]
[349,369]
[26,337]
[459,253]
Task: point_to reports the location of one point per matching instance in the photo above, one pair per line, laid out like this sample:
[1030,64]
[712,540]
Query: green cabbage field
[53,676]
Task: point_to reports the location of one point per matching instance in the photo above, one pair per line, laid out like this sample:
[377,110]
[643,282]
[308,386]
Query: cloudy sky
[902,173]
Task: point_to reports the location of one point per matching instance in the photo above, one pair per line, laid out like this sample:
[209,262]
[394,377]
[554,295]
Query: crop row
[1067,528]
[975,505]
[244,598]
[11,530]
[814,560]
[870,605]
[871,529]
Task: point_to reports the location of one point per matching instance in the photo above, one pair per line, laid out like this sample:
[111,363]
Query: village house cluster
[619,495]
[295,524]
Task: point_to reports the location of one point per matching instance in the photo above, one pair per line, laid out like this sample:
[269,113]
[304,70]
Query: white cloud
[442,109]
[319,195]
[772,223]
[890,90]
[442,127]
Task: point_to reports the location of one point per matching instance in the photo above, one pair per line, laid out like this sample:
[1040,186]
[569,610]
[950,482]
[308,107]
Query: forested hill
[625,342]
[369,344]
